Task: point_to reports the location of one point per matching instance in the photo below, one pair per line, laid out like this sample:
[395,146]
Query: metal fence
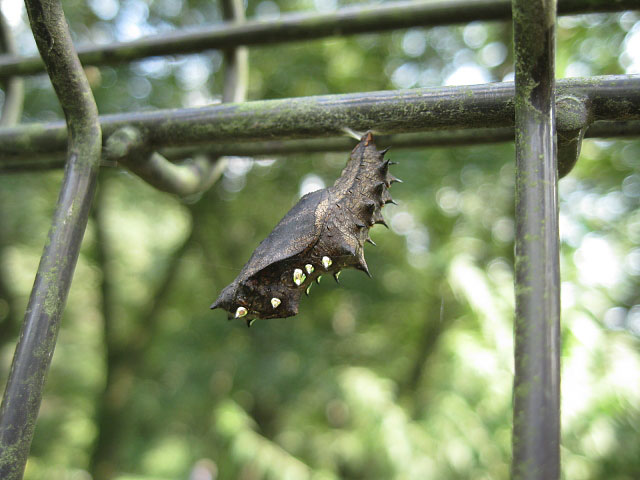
[535,111]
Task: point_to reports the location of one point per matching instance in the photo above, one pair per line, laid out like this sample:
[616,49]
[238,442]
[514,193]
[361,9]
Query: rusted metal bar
[23,394]
[536,390]
[305,26]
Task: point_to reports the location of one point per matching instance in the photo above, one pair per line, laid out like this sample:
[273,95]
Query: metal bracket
[573,117]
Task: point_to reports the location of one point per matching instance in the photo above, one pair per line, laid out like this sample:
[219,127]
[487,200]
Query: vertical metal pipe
[536,391]
[13,86]
[236,69]
[23,395]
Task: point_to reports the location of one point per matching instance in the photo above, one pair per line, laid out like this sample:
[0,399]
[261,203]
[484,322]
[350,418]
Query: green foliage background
[404,376]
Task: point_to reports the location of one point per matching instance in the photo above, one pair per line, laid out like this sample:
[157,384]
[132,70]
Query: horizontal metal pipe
[613,98]
[304,26]
[441,138]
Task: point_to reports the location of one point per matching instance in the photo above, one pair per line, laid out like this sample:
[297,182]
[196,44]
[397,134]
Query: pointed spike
[362,265]
[384,150]
[393,179]
[369,211]
[384,198]
[368,239]
[379,220]
[390,200]
[318,279]
[370,207]
[384,168]
[379,188]
[392,163]
[360,225]
[336,276]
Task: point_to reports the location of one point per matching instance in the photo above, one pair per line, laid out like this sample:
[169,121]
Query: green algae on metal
[36,344]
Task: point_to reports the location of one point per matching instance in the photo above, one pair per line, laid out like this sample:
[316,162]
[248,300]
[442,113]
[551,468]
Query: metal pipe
[197,174]
[13,86]
[435,139]
[305,26]
[23,394]
[441,138]
[536,389]
[386,112]
[182,179]
[236,69]
[571,128]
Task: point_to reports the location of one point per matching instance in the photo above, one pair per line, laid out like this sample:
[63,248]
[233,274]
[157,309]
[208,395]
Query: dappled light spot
[310,183]
[633,320]
[475,34]
[267,10]
[615,318]
[598,262]
[105,9]
[448,200]
[406,75]
[414,42]
[139,87]
[494,54]
[468,74]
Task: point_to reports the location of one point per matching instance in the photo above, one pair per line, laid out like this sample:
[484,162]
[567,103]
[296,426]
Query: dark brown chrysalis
[323,233]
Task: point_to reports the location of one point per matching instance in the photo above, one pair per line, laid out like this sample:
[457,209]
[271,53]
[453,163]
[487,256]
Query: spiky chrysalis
[323,233]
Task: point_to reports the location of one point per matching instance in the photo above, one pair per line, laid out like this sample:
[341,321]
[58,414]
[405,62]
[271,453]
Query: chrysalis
[322,234]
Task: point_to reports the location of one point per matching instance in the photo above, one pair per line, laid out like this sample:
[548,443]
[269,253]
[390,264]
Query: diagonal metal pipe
[23,394]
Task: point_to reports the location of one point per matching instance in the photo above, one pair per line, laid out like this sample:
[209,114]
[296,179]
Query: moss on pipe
[23,394]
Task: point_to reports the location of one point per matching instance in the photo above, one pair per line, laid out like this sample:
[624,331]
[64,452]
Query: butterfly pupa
[324,232]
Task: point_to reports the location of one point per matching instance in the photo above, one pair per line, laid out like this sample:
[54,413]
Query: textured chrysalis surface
[324,232]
